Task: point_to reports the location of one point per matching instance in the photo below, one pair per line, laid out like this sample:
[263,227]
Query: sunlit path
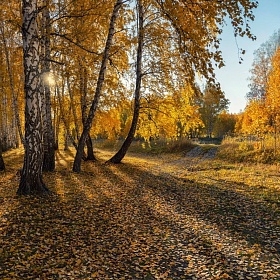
[143,219]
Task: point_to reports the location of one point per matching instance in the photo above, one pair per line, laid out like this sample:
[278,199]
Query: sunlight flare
[49,79]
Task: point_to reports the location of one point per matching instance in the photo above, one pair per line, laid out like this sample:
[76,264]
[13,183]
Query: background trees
[78,41]
[213,102]
[261,115]
[272,101]
[261,67]
[11,97]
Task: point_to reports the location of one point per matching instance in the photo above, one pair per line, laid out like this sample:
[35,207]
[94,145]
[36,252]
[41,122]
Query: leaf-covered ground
[152,217]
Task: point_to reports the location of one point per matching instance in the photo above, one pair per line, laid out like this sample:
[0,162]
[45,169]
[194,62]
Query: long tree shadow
[256,220]
[124,222]
[240,217]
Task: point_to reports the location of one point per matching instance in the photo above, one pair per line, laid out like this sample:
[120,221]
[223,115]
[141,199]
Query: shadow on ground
[128,222]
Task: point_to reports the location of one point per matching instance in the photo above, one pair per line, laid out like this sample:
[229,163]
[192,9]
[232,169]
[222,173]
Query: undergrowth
[231,149]
[236,150]
[154,146]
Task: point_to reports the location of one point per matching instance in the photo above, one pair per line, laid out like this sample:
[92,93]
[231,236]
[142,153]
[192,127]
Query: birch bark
[126,144]
[99,85]
[31,181]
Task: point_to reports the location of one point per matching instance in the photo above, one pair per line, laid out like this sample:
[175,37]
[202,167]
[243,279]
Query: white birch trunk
[31,181]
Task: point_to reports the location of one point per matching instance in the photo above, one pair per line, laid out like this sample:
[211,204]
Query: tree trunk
[100,81]
[49,145]
[57,129]
[64,118]
[2,164]
[73,108]
[90,153]
[117,158]
[31,181]
[83,92]
[66,138]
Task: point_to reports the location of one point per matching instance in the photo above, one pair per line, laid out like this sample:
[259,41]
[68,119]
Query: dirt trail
[201,152]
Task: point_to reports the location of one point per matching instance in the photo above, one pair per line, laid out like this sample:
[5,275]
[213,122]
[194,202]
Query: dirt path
[167,217]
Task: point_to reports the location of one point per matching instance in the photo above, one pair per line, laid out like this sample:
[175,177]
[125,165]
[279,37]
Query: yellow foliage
[263,115]
[273,90]
[254,120]
[172,116]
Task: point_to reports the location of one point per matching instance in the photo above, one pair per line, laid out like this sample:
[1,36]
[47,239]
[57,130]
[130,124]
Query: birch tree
[31,181]
[48,131]
[98,90]
[262,66]
[122,151]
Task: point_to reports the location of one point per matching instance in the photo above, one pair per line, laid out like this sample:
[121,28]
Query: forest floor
[168,216]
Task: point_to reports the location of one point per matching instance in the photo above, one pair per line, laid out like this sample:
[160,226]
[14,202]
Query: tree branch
[64,36]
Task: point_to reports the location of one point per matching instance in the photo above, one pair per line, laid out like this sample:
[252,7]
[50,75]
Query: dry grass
[255,150]
[153,147]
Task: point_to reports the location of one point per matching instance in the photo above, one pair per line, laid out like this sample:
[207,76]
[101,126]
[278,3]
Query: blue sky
[234,76]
